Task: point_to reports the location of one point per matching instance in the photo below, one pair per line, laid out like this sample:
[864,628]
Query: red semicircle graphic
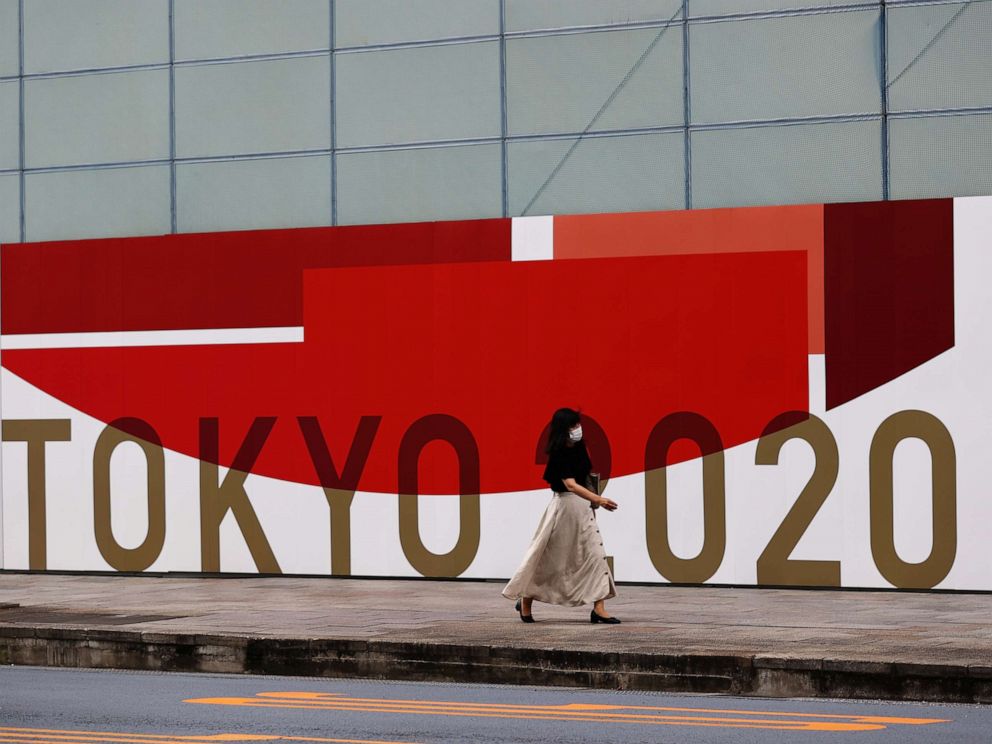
[496,344]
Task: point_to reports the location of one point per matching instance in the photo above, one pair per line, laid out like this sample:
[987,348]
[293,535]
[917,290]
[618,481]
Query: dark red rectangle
[889,290]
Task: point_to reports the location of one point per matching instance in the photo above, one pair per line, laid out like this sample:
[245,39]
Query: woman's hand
[591,496]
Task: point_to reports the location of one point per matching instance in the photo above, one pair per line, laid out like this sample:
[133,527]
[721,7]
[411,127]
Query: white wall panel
[10,107]
[111,202]
[445,183]
[83,34]
[770,68]
[230,28]
[954,70]
[941,156]
[254,194]
[9,49]
[603,174]
[559,83]
[531,15]
[295,519]
[10,208]
[363,22]
[799,164]
[96,118]
[411,95]
[253,107]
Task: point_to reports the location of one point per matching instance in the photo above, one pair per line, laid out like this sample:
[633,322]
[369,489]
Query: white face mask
[576,434]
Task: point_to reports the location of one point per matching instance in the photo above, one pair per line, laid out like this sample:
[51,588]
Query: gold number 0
[774,565]
[943,468]
[675,426]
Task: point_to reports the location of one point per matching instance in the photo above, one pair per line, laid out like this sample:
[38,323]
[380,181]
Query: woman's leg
[525,603]
[600,608]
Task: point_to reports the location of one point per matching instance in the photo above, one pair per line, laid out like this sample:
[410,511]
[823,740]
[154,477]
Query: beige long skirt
[565,563]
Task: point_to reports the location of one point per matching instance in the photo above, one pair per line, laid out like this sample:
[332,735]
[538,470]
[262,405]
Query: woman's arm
[588,495]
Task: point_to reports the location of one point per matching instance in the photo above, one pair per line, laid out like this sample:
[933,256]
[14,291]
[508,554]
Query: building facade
[137,117]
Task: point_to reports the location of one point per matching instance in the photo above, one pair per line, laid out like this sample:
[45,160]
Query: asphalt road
[66,706]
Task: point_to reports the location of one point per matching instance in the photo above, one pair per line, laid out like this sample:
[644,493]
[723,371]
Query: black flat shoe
[594,618]
[525,618]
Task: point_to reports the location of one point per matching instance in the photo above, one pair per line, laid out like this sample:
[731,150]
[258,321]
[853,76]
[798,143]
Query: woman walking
[566,563]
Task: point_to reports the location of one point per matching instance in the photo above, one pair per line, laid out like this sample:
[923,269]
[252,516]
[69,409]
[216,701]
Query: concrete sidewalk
[744,641]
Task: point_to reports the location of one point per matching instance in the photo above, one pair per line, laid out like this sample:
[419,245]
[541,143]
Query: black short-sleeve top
[568,462]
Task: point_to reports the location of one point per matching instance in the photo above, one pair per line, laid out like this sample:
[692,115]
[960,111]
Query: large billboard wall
[776,395]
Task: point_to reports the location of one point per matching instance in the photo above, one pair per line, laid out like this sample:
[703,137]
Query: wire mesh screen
[358,111]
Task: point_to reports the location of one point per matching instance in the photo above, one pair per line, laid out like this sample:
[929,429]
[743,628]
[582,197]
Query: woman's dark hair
[562,420]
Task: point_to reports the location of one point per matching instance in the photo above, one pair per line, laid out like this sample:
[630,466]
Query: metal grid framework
[681,22]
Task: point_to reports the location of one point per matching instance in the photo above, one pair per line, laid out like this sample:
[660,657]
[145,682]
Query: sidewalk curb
[761,675]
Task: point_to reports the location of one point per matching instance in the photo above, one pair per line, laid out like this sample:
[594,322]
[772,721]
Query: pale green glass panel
[105,118]
[558,84]
[253,107]
[109,202]
[254,194]
[772,68]
[698,8]
[603,174]
[10,107]
[445,183]
[797,164]
[955,68]
[10,208]
[363,22]
[9,49]
[941,156]
[420,94]
[231,28]
[84,34]
[530,15]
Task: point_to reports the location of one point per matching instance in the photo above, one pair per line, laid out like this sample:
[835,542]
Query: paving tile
[871,627]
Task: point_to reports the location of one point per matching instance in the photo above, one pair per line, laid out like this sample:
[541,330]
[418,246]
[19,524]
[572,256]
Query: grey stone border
[759,675]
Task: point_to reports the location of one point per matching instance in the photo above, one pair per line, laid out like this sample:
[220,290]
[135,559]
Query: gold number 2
[774,565]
